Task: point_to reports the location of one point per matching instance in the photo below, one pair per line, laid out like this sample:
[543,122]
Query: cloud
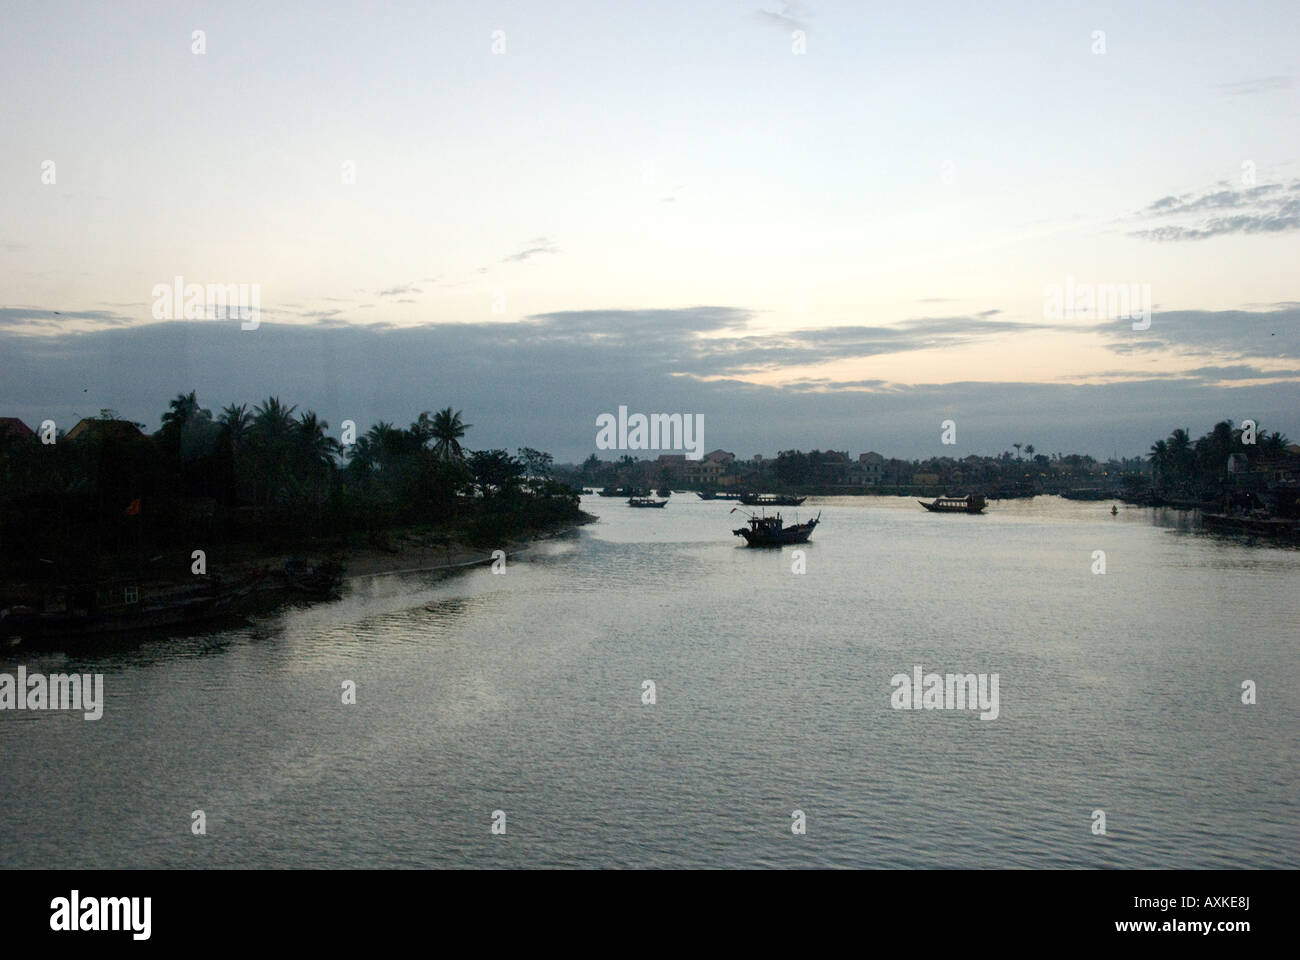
[541,382]
[399,290]
[1242,371]
[536,246]
[756,352]
[1265,334]
[33,319]
[1263,209]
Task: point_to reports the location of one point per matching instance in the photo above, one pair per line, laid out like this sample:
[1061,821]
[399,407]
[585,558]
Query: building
[15,428]
[871,467]
[98,429]
[712,468]
[674,463]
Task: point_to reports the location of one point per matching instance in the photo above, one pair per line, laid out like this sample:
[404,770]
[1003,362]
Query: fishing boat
[766,531]
[87,615]
[967,504]
[714,495]
[646,502]
[770,500]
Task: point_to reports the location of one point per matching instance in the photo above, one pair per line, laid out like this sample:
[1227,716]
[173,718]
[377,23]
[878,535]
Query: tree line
[262,474]
[1181,466]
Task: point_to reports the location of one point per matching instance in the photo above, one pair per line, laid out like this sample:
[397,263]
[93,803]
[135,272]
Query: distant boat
[968,504]
[770,500]
[772,532]
[624,491]
[714,495]
[646,502]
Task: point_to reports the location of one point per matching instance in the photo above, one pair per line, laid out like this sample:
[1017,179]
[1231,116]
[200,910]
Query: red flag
[134,509]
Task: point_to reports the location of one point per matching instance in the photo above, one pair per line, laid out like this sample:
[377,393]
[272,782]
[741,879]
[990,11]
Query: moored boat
[968,504]
[770,500]
[82,619]
[646,502]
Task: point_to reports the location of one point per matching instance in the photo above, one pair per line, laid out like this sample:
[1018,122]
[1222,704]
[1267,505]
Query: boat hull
[953,505]
[770,500]
[781,538]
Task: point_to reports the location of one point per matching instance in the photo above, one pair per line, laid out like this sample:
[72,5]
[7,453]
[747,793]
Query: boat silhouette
[772,532]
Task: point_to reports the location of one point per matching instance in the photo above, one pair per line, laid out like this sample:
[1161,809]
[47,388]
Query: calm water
[522,692]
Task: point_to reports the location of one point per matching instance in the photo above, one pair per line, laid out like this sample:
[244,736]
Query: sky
[821,225]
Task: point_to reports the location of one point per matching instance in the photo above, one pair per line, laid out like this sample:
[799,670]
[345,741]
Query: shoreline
[391,553]
[420,555]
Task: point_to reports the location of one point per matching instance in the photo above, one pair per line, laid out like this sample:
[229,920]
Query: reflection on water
[522,692]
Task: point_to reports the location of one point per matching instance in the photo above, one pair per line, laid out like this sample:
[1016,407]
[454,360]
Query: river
[522,692]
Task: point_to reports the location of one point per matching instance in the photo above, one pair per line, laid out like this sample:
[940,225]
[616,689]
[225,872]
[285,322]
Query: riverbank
[390,552]
[414,552]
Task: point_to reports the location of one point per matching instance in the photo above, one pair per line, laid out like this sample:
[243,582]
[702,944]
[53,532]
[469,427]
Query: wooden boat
[627,490]
[967,504]
[713,495]
[92,620]
[770,500]
[772,532]
[646,502]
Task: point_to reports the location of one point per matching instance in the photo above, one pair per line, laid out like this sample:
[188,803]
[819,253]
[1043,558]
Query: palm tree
[1029,451]
[1017,446]
[181,411]
[422,428]
[1180,456]
[318,447]
[447,430]
[1274,442]
[271,438]
[236,421]
[272,420]
[1159,460]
